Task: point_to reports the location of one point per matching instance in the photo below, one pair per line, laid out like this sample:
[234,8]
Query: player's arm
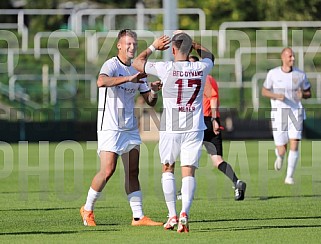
[268,93]
[203,52]
[306,93]
[151,96]
[160,43]
[107,81]
[215,108]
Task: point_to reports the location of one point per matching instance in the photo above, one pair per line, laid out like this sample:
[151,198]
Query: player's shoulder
[297,70]
[207,61]
[275,69]
[156,63]
[166,65]
[111,61]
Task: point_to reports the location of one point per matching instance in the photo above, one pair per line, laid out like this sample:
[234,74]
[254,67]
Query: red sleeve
[214,86]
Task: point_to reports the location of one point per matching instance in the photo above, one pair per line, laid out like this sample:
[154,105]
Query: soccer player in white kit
[117,129]
[182,122]
[286,86]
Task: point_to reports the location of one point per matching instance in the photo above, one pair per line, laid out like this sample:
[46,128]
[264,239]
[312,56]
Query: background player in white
[117,128]
[286,86]
[182,122]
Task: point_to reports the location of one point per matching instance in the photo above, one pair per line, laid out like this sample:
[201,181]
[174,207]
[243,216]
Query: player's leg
[132,187]
[108,162]
[295,126]
[131,168]
[190,154]
[281,138]
[169,190]
[188,187]
[280,151]
[188,191]
[214,147]
[169,148]
[292,161]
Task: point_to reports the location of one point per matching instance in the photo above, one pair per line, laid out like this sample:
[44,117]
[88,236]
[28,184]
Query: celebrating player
[117,128]
[182,123]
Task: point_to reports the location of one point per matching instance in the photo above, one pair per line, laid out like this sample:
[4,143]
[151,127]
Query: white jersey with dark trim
[183,85]
[288,84]
[116,104]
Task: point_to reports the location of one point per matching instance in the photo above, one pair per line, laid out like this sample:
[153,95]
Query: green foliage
[220,11]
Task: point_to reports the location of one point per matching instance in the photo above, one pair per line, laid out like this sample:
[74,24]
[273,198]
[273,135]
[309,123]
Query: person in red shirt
[212,135]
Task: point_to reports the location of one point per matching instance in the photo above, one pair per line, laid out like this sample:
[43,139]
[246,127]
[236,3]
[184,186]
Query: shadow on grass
[55,232]
[49,209]
[279,197]
[254,219]
[263,227]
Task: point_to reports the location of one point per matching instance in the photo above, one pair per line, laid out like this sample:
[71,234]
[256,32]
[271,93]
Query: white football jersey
[183,85]
[116,104]
[288,84]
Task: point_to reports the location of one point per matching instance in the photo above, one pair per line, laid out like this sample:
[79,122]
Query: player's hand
[162,43]
[137,78]
[280,97]
[216,127]
[298,94]
[177,32]
[156,86]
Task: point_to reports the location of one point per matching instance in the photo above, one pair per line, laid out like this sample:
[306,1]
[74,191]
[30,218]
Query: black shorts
[212,142]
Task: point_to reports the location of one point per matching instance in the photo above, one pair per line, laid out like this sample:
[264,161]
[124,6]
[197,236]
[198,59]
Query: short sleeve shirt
[210,92]
[183,86]
[116,104]
[288,84]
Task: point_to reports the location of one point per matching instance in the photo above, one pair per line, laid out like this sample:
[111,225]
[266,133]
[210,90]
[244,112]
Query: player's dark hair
[183,42]
[126,32]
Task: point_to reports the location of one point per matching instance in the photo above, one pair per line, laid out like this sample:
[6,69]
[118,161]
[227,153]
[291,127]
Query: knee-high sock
[169,190]
[226,168]
[92,197]
[188,189]
[136,204]
[292,162]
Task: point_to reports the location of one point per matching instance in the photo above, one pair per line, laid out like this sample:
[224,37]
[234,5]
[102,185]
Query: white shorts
[117,141]
[186,145]
[287,124]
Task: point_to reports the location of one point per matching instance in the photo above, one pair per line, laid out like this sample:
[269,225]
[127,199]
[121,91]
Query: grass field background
[43,185]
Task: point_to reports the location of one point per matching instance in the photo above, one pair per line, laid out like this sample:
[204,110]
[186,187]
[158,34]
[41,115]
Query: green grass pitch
[43,185]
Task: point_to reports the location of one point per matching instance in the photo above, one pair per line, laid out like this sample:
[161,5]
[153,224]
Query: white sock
[277,154]
[136,204]
[292,162]
[92,197]
[169,190]
[188,189]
